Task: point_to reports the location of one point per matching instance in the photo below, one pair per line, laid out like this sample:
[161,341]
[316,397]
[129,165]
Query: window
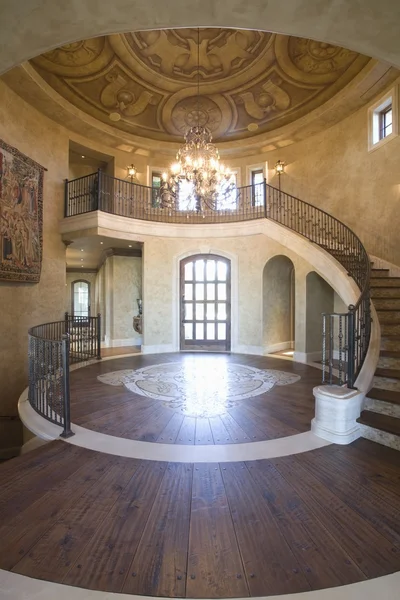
[257,182]
[382,120]
[226,200]
[156,180]
[385,122]
[81,298]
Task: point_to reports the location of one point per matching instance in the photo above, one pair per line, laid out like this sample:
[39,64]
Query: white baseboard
[158,349]
[278,347]
[110,343]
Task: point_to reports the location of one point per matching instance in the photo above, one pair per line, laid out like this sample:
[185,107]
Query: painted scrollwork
[146,82]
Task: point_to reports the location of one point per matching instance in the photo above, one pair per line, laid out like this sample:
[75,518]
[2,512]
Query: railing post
[265,198]
[67,432]
[66,319]
[351,347]
[99,184]
[66,198]
[98,336]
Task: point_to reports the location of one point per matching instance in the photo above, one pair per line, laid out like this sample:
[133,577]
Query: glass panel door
[205,303]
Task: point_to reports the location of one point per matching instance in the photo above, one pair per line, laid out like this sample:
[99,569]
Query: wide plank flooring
[282,411]
[305,522]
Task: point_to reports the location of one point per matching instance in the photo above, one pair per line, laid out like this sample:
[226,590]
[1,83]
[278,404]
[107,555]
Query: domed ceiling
[250,82]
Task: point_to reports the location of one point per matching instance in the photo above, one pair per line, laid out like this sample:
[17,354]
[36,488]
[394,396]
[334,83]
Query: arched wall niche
[278,304]
[368,27]
[320,298]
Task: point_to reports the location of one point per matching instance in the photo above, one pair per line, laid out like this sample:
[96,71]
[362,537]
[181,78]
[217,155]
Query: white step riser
[386,362]
[381,437]
[386,383]
[382,407]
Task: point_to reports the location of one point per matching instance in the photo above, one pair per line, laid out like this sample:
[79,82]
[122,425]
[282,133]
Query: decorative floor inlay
[199,390]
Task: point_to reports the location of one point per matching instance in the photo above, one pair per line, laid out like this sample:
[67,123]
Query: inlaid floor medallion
[198,391]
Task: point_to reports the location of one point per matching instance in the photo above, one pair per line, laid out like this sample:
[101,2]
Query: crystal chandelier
[198,164]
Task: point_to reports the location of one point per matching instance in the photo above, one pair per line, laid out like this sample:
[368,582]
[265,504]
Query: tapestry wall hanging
[21,216]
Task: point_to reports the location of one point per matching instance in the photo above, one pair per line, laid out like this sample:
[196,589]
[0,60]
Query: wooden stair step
[391,373]
[389,396]
[380,273]
[380,421]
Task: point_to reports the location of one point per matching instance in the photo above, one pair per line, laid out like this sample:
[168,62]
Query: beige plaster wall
[320,299]
[335,171]
[248,257]
[24,305]
[86,276]
[277,302]
[123,285]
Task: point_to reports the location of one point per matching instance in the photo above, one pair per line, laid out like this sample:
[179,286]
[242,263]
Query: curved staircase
[380,419]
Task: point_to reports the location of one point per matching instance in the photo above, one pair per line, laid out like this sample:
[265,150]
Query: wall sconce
[279,169]
[132,171]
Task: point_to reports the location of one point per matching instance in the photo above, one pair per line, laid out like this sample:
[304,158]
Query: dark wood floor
[282,411]
[318,519]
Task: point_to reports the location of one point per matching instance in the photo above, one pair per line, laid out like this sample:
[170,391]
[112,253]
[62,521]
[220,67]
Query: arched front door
[205,310]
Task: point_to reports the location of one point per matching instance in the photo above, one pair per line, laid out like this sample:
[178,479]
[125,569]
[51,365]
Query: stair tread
[380,421]
[380,270]
[390,396]
[394,336]
[391,373]
[378,310]
[389,277]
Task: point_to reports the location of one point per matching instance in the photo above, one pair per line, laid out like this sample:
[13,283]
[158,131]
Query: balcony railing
[345,337]
[52,348]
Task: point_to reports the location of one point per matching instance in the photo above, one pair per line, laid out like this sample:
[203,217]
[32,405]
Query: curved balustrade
[345,336]
[52,348]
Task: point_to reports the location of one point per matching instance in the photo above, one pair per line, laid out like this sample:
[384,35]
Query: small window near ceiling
[156,180]
[383,120]
[257,183]
[81,299]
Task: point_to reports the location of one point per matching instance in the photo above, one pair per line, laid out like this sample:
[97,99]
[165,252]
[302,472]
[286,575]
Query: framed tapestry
[21,216]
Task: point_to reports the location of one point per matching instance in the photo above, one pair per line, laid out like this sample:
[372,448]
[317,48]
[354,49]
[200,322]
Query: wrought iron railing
[345,336]
[100,191]
[52,348]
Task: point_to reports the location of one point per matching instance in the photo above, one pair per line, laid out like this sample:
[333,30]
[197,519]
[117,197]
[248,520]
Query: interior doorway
[205,303]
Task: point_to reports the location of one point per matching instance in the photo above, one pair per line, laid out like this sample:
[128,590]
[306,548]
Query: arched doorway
[205,303]
[278,305]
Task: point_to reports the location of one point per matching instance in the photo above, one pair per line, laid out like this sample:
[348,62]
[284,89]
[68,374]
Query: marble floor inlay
[196,389]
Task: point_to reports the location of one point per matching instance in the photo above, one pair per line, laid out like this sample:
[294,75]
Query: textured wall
[335,171]
[277,301]
[24,305]
[123,285]
[248,255]
[320,299]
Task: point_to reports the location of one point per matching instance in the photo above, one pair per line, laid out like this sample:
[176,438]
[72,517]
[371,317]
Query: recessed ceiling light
[130,245]
[101,242]
[81,259]
[81,249]
[81,266]
[83,156]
